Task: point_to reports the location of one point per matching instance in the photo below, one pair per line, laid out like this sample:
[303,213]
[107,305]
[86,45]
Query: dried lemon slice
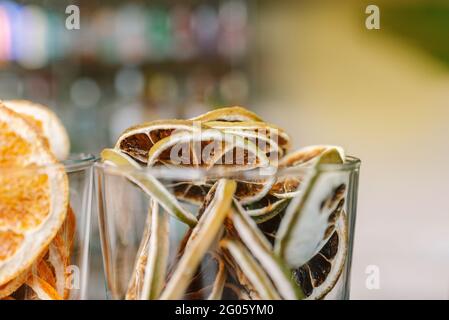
[201,239]
[47,122]
[304,228]
[28,220]
[231,114]
[138,140]
[149,184]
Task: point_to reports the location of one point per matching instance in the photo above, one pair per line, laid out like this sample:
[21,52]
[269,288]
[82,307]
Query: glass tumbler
[191,233]
[61,270]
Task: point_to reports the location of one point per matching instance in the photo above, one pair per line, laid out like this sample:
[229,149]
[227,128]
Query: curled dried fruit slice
[266,209]
[135,284]
[305,226]
[156,266]
[207,148]
[252,190]
[230,114]
[210,279]
[307,155]
[249,273]
[43,290]
[138,140]
[47,122]
[190,192]
[261,249]
[28,220]
[320,274]
[288,184]
[11,286]
[201,239]
[149,185]
[269,138]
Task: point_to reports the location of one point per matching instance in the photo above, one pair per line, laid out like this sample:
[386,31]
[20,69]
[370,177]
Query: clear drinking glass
[136,255]
[63,266]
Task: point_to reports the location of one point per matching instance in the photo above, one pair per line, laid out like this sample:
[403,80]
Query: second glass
[288,246]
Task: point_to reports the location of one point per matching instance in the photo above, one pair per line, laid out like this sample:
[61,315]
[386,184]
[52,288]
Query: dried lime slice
[148,184]
[266,209]
[304,228]
[213,149]
[250,270]
[287,185]
[201,239]
[207,149]
[272,138]
[156,266]
[320,274]
[210,279]
[138,140]
[136,281]
[261,249]
[230,114]
[190,192]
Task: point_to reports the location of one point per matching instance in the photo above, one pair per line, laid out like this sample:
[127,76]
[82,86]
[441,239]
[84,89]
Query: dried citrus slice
[212,148]
[190,192]
[47,122]
[266,209]
[268,137]
[43,289]
[201,239]
[45,272]
[156,266]
[138,140]
[28,220]
[250,273]
[305,226]
[210,279]
[135,284]
[261,249]
[207,148]
[310,155]
[288,184]
[320,274]
[231,114]
[149,184]
[11,286]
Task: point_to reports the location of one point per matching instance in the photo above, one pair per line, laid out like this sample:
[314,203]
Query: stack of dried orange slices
[264,236]
[37,226]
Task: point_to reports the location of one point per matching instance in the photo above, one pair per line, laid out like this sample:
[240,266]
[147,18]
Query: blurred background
[310,66]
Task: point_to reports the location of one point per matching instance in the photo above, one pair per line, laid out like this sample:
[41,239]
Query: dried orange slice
[47,122]
[43,289]
[11,286]
[33,195]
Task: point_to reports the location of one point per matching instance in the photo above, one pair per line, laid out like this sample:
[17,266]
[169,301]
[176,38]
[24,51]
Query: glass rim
[351,164]
[75,162]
